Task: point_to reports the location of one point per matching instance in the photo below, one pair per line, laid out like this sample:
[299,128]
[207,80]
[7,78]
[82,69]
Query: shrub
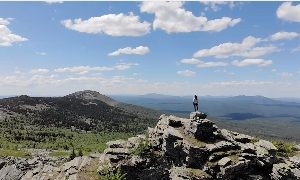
[111,174]
[80,153]
[285,149]
[143,145]
[72,155]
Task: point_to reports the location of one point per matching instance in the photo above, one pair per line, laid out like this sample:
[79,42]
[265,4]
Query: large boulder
[283,171]
[10,172]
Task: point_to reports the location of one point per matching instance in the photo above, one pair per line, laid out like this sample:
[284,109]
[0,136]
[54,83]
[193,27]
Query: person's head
[196,97]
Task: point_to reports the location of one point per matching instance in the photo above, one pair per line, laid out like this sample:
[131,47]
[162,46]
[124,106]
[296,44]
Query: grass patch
[285,149]
[14,153]
[59,153]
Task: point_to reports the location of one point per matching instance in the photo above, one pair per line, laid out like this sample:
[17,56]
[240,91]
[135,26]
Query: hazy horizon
[173,48]
[206,95]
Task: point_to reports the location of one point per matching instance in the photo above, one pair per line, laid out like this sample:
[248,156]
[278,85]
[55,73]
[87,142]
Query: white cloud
[110,24]
[288,12]
[41,53]
[124,66]
[88,69]
[297,49]
[190,61]
[286,74]
[250,62]
[58,85]
[39,71]
[54,2]
[7,38]
[202,64]
[284,36]
[244,49]
[259,51]
[274,70]
[186,73]
[172,17]
[140,50]
[216,5]
[211,64]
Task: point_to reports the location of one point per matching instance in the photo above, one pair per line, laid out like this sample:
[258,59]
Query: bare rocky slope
[176,148]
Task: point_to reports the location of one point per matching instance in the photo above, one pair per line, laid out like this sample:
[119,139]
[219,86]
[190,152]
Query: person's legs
[197,106]
[194,106]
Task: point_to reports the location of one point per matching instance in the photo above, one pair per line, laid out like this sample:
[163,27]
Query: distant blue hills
[236,107]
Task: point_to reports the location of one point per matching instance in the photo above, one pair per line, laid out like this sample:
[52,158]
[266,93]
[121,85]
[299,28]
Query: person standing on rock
[195,103]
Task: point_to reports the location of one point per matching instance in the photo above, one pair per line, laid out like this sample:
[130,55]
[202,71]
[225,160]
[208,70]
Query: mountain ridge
[86,110]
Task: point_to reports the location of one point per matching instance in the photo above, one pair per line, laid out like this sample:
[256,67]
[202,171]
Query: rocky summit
[196,148]
[176,148]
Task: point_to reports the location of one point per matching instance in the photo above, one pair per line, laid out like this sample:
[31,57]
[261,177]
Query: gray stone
[71,171]
[197,115]
[267,145]
[224,161]
[117,144]
[297,147]
[203,129]
[10,173]
[117,151]
[2,163]
[295,160]
[247,147]
[281,171]
[181,173]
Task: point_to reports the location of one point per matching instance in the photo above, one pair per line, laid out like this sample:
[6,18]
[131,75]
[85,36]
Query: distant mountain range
[257,115]
[84,110]
[92,111]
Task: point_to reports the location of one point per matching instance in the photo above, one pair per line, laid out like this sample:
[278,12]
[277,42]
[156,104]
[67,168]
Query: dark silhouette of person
[195,103]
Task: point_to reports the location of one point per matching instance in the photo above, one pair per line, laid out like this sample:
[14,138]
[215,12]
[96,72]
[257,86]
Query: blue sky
[178,48]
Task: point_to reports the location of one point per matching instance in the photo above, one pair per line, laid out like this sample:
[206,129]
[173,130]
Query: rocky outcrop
[176,148]
[44,167]
[195,148]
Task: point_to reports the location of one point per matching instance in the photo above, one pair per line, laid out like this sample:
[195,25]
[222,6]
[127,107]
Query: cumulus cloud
[284,36]
[88,69]
[39,71]
[186,73]
[251,62]
[244,49]
[190,61]
[172,17]
[216,5]
[203,64]
[140,50]
[110,24]
[287,11]
[7,38]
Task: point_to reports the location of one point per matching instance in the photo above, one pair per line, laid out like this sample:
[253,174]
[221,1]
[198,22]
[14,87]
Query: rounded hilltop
[93,95]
